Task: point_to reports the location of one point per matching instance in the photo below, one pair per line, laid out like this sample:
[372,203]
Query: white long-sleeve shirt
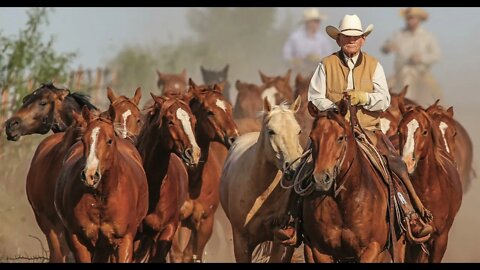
[378,100]
[299,45]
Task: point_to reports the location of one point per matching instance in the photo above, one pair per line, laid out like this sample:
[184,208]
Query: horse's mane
[282,107]
[83,100]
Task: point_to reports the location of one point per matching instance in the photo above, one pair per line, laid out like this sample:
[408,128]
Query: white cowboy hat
[310,14]
[350,25]
[414,11]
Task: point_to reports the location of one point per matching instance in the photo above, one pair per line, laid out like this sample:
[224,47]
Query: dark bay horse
[212,77]
[101,195]
[215,132]
[346,215]
[434,177]
[166,139]
[171,82]
[47,108]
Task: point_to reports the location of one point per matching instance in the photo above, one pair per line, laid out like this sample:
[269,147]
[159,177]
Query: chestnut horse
[304,118]
[47,108]
[434,177]
[170,82]
[247,106]
[345,217]
[212,77]
[165,140]
[215,132]
[101,195]
[277,88]
[463,144]
[250,194]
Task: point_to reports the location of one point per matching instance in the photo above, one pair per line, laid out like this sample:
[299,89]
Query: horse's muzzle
[187,157]
[12,128]
[323,181]
[89,180]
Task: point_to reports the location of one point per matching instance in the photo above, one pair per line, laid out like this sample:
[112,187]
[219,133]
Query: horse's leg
[438,248]
[202,235]
[52,236]
[370,253]
[164,243]
[308,253]
[281,253]
[80,250]
[65,248]
[176,252]
[400,247]
[243,251]
[124,251]
[321,256]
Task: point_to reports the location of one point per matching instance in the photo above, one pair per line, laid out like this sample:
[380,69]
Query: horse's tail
[142,251]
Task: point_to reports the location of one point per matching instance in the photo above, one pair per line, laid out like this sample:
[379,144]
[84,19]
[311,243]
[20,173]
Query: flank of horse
[167,138]
[101,195]
[215,132]
[250,193]
[463,152]
[349,222]
[434,177]
[47,108]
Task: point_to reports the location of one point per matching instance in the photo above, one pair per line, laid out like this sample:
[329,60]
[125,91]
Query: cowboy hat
[414,11]
[311,14]
[350,25]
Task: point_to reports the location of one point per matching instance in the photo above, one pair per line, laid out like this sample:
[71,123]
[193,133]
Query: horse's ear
[401,105]
[111,113]
[343,107]
[404,91]
[184,74]
[158,99]
[312,109]
[298,79]
[296,104]
[225,69]
[62,94]
[450,111]
[111,95]
[219,86]
[138,95]
[238,85]
[87,115]
[263,77]
[192,83]
[267,107]
[160,75]
[286,78]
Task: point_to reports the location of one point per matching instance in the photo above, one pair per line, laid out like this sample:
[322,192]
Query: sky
[97,34]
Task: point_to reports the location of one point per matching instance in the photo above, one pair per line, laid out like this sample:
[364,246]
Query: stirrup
[409,234]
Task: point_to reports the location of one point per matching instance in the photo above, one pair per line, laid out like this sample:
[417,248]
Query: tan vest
[336,71]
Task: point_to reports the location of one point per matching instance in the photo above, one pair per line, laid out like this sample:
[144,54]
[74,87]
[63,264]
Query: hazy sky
[98,33]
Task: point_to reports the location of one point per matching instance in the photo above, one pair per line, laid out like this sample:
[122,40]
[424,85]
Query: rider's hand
[358,97]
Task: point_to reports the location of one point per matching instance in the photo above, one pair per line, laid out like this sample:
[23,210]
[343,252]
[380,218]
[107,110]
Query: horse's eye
[424,133]
[271,132]
[299,132]
[43,103]
[341,138]
[209,113]
[109,142]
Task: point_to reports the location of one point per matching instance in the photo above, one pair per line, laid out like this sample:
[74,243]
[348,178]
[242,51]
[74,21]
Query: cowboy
[360,75]
[416,50]
[307,45]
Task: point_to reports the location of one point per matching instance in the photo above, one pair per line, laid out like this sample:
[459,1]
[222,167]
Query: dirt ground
[19,232]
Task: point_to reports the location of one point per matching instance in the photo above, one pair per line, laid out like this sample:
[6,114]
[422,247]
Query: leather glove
[358,97]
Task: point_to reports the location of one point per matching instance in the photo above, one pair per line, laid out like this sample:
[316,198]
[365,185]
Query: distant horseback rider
[307,45]
[416,50]
[361,76]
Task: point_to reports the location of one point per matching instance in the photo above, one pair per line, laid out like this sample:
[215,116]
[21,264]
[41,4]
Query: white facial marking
[270,94]
[125,115]
[183,116]
[412,126]
[443,126]
[221,105]
[384,125]
[92,160]
[176,86]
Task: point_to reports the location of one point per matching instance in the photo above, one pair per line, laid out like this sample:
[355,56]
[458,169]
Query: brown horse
[170,82]
[212,77]
[165,140]
[463,144]
[345,216]
[434,177]
[249,100]
[47,108]
[304,118]
[215,132]
[101,195]
[277,88]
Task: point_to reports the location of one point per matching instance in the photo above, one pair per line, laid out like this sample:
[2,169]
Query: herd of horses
[133,184]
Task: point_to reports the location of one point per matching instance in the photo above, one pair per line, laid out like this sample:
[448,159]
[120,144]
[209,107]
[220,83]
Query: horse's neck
[70,136]
[63,114]
[428,169]
[263,171]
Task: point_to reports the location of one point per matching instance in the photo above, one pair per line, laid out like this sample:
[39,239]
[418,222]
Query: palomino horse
[277,88]
[215,133]
[212,77]
[47,108]
[304,118]
[434,177]
[128,117]
[463,144]
[170,82]
[165,140]
[250,193]
[345,215]
[101,194]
